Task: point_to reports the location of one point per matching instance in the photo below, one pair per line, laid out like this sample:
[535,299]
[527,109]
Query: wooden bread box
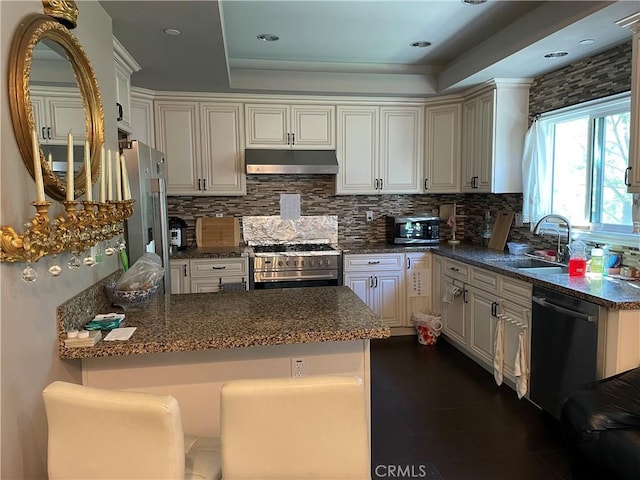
[217,232]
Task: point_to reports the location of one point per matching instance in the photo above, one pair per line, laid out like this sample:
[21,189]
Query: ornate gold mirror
[53,89]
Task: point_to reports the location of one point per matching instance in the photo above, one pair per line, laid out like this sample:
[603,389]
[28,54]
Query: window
[588,152]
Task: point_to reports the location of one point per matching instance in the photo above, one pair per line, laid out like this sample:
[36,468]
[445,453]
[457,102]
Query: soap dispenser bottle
[597,261]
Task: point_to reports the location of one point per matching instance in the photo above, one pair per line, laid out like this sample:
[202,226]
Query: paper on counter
[120,334]
[290,206]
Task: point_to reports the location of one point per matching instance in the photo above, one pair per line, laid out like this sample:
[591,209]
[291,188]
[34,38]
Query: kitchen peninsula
[188,345]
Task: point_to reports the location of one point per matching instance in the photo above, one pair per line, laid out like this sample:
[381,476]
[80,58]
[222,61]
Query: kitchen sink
[533,265]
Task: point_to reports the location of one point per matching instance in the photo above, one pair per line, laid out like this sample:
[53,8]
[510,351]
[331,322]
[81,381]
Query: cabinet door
[64,115]
[470,132]
[357,150]
[442,149]
[313,126]
[267,126]
[436,276]
[179,276]
[213,284]
[178,137]
[142,121]
[123,98]
[485,138]
[38,106]
[390,297]
[633,182]
[418,269]
[401,139]
[222,149]
[482,323]
[453,318]
[512,329]
[361,284]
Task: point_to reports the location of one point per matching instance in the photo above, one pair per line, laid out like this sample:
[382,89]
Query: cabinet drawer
[515,290]
[373,262]
[484,279]
[219,268]
[456,270]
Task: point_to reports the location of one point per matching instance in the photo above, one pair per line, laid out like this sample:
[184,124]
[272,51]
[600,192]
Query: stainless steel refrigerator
[147,230]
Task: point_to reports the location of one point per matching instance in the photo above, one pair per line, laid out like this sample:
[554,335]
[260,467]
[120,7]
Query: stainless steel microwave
[420,230]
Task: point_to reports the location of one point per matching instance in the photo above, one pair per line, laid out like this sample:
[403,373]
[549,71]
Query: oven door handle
[259,278]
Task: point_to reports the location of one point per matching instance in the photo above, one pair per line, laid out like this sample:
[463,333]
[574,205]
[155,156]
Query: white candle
[70,173]
[87,173]
[118,167]
[103,178]
[109,176]
[50,162]
[126,186]
[37,167]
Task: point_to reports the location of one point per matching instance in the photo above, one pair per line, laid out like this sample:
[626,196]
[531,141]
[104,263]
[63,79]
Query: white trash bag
[428,327]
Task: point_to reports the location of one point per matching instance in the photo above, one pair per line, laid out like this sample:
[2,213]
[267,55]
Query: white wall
[28,342]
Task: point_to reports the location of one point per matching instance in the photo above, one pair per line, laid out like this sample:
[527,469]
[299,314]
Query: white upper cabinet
[291,126]
[632,176]
[58,111]
[202,142]
[494,123]
[142,127]
[125,65]
[442,156]
[379,149]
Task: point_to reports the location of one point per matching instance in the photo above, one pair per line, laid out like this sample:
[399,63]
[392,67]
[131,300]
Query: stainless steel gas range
[295,265]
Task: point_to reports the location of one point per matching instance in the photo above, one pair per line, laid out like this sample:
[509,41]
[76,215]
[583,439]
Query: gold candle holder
[32,244]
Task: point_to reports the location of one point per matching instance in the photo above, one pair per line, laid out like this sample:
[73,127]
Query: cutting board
[500,230]
[217,232]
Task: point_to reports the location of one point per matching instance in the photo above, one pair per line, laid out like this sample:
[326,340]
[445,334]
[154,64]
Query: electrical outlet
[369,216]
[518,220]
[297,367]
[219,215]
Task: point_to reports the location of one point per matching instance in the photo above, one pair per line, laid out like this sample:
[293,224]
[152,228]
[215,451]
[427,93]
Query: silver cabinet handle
[185,271]
[408,263]
[375,184]
[204,184]
[293,139]
[381,184]
[199,184]
[373,262]
[44,133]
[543,302]
[371,282]
[426,183]
[288,139]
[218,268]
[376,285]
[455,269]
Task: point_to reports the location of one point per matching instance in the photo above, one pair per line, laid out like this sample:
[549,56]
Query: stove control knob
[287,263]
[309,263]
[327,261]
[302,263]
[295,263]
[280,263]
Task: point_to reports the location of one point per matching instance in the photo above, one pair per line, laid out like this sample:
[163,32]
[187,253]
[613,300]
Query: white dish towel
[520,369]
[498,351]
[450,292]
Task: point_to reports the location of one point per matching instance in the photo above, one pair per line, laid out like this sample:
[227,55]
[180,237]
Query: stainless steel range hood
[265,161]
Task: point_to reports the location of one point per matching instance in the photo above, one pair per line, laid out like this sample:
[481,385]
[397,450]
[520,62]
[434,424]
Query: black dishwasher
[564,347]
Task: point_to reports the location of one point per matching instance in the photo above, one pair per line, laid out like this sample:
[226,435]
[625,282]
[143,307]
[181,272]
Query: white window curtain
[536,174]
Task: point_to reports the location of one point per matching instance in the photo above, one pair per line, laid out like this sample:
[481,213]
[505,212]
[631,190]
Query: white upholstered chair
[104,434]
[294,428]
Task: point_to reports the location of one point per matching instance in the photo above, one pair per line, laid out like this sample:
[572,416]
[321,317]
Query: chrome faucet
[537,230]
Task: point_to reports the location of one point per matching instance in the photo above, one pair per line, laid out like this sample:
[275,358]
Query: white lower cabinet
[180,276]
[208,275]
[378,279]
[471,319]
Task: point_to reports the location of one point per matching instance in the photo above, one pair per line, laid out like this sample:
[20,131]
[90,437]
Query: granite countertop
[616,294]
[212,252]
[205,321]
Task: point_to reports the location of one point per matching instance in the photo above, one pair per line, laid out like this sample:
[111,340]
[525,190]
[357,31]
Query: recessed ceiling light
[420,44]
[474,2]
[268,37]
[587,41]
[556,54]
[172,32]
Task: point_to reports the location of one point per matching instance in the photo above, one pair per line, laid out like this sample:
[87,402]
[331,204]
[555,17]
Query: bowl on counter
[131,300]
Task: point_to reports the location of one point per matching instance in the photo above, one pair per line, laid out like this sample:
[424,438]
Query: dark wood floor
[438,415]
